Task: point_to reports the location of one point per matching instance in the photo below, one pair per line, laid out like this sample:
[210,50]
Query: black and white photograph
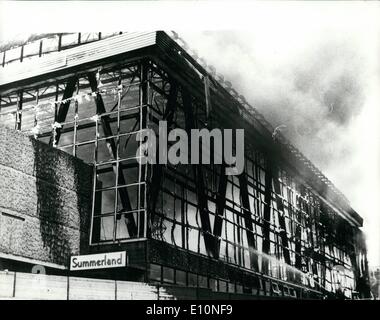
[189,150]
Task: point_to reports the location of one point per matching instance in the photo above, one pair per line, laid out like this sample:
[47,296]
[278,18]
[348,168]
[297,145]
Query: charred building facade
[279,229]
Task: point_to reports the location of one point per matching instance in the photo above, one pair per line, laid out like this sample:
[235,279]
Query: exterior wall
[45,200]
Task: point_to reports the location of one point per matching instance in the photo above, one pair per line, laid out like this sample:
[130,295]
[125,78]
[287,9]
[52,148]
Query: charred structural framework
[280,229]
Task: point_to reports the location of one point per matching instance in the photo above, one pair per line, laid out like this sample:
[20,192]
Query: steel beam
[64,108]
[144,100]
[157,168]
[267,216]
[112,149]
[220,206]
[281,217]
[19,110]
[206,81]
[199,179]
[298,244]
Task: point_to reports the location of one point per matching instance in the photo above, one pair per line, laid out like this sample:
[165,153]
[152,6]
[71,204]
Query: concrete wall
[45,200]
[164,254]
[16,285]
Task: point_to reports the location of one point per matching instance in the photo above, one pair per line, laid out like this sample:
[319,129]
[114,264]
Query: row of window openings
[194,209]
[45,116]
[186,226]
[274,227]
[131,92]
[108,91]
[168,275]
[257,180]
[288,207]
[308,231]
[162,274]
[170,207]
[255,174]
[82,148]
[232,234]
[232,193]
[230,251]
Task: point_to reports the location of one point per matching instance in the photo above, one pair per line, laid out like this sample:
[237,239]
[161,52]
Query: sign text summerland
[98,261]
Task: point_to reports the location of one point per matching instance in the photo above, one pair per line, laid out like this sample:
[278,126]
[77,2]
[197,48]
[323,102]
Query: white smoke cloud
[321,83]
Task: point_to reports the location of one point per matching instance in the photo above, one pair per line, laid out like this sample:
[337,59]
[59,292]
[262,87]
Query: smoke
[318,83]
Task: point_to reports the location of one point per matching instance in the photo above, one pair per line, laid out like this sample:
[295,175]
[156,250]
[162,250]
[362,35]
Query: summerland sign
[98,261]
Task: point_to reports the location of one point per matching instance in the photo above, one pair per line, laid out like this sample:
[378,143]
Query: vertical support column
[19,110]
[206,81]
[14,285]
[96,201]
[312,254]
[113,149]
[55,104]
[60,42]
[68,288]
[3,62]
[63,109]
[298,243]
[40,49]
[248,220]
[22,54]
[76,105]
[144,94]
[267,216]
[281,216]
[220,206]
[35,123]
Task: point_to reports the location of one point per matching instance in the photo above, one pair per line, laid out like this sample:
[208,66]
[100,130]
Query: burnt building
[280,229]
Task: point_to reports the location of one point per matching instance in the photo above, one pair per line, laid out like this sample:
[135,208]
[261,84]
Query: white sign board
[98,261]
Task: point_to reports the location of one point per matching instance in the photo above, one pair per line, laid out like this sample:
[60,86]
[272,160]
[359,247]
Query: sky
[313,67]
